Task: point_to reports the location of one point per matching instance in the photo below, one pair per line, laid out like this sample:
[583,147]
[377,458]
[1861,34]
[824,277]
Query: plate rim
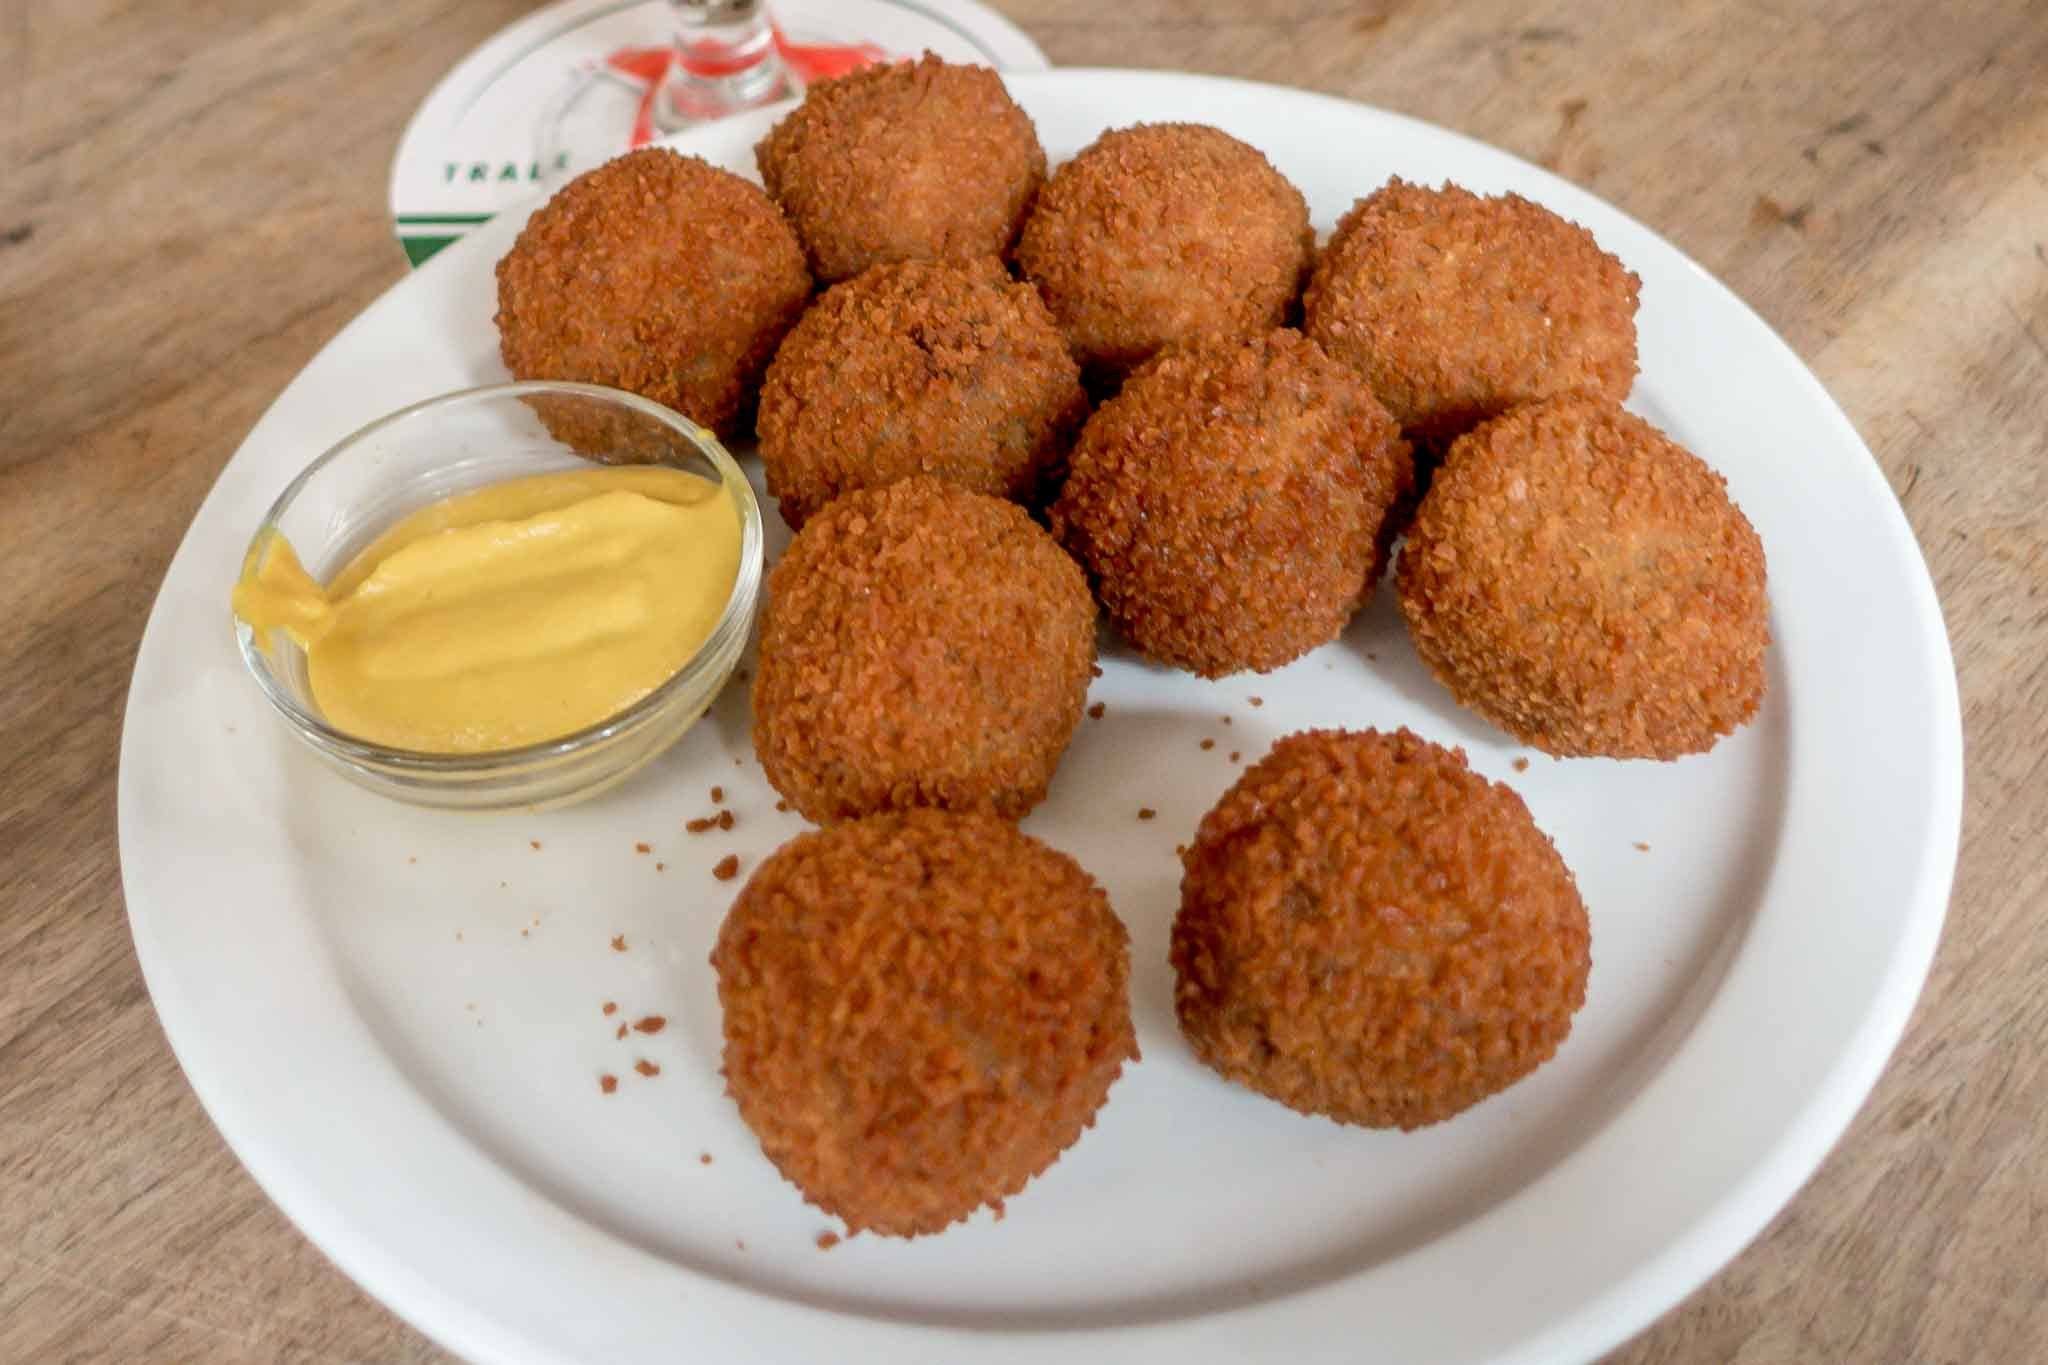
[1594,1324]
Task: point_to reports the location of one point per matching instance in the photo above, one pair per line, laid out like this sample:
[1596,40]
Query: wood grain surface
[192,202]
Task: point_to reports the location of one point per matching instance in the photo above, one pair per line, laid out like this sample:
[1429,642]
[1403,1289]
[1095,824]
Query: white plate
[394,1015]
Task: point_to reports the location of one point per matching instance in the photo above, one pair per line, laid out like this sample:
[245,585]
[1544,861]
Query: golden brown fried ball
[1161,233]
[1457,307]
[915,161]
[1371,931]
[656,273]
[1229,504]
[921,646]
[925,367]
[1584,582]
[922,1011]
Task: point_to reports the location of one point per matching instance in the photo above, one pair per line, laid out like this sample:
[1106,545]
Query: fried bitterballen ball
[915,161]
[656,273]
[925,367]
[1230,503]
[1457,307]
[1585,583]
[1371,931]
[922,1011]
[921,645]
[1162,233]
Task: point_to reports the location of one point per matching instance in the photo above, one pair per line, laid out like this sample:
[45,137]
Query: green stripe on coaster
[417,249]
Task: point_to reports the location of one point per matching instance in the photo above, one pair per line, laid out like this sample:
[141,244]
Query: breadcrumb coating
[1371,931]
[942,368]
[1230,504]
[1162,233]
[1585,583]
[1457,307]
[921,645]
[656,273]
[921,1012]
[913,161]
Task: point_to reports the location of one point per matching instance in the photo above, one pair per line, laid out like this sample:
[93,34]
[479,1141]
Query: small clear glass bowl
[452,444]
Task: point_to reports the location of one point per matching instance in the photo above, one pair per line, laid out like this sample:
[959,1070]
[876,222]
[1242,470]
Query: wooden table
[192,201]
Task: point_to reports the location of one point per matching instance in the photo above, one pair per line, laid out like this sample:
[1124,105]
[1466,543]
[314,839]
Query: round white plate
[491,132]
[394,1015]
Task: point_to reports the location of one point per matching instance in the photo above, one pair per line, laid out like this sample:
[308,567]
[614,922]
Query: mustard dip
[513,614]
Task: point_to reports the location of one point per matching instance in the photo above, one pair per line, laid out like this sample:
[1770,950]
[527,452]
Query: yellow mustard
[516,613]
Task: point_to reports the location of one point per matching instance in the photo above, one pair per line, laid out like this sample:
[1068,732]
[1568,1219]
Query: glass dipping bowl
[451,444]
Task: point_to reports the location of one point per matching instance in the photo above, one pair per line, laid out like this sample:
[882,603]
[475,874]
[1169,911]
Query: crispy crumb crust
[1371,931]
[1230,504]
[921,645]
[656,273]
[912,161]
[1165,232]
[1457,307]
[942,368]
[1585,583]
[921,1012]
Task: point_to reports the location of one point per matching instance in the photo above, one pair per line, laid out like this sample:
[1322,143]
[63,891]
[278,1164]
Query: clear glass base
[687,99]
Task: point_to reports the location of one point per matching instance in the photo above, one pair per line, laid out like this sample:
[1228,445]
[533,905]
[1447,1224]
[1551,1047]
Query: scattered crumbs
[469,1005]
[740,1242]
[782,807]
[653,1023]
[728,867]
[661,867]
[1372,656]
[1235,755]
[1521,765]
[717,795]
[611,1007]
[827,1240]
[1256,701]
[1767,212]
[534,843]
[1180,850]
[412,860]
[621,1033]
[1095,711]
[503,885]
[526,933]
[643,848]
[608,1083]
[1208,744]
[1147,813]
[1226,720]
[725,819]
[1642,847]
[646,1068]
[458,936]
[618,943]
[703,1158]
[700,824]
[735,763]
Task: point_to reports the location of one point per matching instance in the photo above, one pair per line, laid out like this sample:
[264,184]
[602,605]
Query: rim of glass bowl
[736,619]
